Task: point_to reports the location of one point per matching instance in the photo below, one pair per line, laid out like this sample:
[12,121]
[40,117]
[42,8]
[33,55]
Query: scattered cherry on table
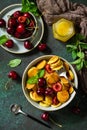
[28,44]
[13,75]
[42,47]
[9,43]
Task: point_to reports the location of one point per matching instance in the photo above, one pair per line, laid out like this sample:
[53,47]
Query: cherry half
[57,87]
[48,68]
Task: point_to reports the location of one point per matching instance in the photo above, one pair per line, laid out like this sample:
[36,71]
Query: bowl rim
[35,104]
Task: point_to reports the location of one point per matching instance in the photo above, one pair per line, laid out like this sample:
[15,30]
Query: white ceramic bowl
[34,32]
[26,93]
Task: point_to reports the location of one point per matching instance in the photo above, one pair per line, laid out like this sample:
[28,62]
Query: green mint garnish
[34,79]
[14,62]
[3,39]
[77,47]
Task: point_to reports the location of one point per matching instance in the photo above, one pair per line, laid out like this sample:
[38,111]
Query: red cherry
[57,87]
[21,28]
[28,45]
[2,23]
[10,30]
[55,101]
[42,47]
[27,34]
[26,14]
[45,116]
[49,91]
[48,68]
[12,22]
[13,74]
[41,82]
[16,14]
[17,35]
[9,43]
[41,91]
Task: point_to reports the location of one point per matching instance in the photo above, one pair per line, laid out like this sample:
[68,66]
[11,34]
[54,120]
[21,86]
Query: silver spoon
[17,109]
[62,72]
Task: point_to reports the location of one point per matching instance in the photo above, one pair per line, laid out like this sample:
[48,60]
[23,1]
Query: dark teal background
[14,94]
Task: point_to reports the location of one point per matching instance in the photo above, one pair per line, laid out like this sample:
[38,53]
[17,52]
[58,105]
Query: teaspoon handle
[35,119]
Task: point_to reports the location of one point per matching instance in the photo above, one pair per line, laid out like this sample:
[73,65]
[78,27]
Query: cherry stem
[8,85]
[29,28]
[57,124]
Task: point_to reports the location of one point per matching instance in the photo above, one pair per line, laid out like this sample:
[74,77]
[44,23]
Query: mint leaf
[76,61]
[33,80]
[79,66]
[3,39]
[81,55]
[77,47]
[83,45]
[14,62]
[41,73]
[74,54]
[74,47]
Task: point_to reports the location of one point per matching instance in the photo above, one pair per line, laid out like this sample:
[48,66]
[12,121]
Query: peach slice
[58,68]
[71,89]
[43,104]
[30,86]
[70,75]
[56,64]
[32,72]
[53,59]
[34,96]
[53,78]
[47,102]
[59,104]
[63,96]
[41,65]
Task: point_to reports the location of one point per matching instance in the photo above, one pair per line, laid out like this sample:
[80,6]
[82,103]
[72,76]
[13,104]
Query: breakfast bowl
[48,82]
[21,25]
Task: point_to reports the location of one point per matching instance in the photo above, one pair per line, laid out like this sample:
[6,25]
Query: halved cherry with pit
[57,87]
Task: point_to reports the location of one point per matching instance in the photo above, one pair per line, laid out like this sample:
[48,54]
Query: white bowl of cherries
[46,86]
[21,25]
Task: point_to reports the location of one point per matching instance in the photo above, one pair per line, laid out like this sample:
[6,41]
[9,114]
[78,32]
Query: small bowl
[21,38]
[26,92]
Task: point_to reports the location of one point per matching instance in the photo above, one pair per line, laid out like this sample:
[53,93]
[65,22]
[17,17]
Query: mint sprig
[34,79]
[30,6]
[77,47]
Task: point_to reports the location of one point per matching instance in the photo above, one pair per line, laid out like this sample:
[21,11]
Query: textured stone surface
[14,94]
